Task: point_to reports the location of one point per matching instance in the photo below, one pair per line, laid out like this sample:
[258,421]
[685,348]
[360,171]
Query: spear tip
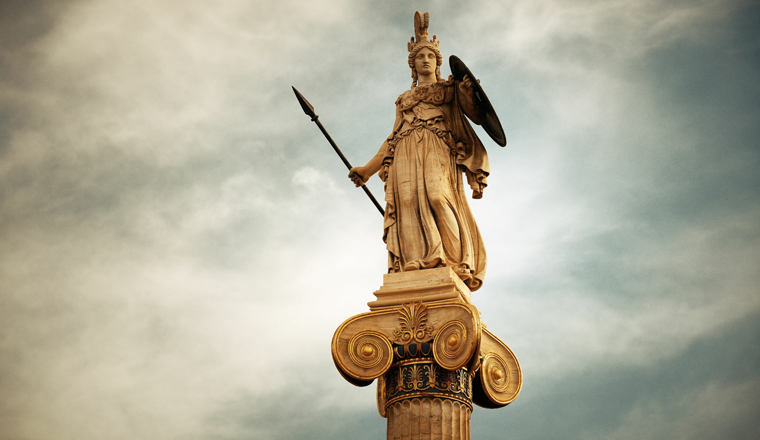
[307,108]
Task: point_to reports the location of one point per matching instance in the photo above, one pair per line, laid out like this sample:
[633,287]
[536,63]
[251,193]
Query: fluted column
[428,419]
[423,400]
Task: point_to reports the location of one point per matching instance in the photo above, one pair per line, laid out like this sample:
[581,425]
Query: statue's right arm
[359,175]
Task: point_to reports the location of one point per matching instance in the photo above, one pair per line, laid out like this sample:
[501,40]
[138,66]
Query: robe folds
[428,222]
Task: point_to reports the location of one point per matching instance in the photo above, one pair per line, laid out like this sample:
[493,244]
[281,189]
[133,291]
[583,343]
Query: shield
[491,123]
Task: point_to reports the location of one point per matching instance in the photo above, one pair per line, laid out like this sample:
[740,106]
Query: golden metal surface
[500,383]
[368,350]
[370,355]
[362,350]
[423,378]
[381,397]
[453,340]
[455,343]
[497,374]
[365,349]
[413,324]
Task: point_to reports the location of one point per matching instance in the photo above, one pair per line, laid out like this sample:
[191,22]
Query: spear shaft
[309,110]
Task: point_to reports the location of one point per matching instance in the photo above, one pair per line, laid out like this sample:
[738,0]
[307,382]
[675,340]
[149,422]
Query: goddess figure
[428,222]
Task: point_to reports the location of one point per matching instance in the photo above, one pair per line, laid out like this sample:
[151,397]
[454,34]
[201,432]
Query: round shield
[491,123]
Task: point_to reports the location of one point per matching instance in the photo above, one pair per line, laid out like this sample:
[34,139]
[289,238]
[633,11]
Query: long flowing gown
[428,222]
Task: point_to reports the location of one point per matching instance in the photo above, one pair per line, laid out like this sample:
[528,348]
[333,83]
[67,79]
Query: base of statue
[425,343]
[429,286]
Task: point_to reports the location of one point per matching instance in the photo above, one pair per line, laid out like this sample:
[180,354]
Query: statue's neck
[426,80]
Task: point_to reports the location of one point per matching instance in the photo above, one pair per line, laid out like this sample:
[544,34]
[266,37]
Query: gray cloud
[677,397]
[179,243]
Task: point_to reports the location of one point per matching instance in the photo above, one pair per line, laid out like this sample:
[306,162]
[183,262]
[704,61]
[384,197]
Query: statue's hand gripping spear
[309,110]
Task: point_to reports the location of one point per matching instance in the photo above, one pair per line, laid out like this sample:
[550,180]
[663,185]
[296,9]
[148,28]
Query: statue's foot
[412,265]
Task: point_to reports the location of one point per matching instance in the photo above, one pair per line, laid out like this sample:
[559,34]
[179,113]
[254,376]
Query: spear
[309,110]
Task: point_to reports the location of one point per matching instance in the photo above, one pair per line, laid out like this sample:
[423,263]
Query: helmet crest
[421,22]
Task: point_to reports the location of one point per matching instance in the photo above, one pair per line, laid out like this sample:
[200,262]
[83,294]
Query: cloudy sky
[178,242]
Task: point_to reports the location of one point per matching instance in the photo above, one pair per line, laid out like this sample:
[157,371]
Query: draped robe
[428,222]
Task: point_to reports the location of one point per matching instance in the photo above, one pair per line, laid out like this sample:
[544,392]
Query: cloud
[714,412]
[664,399]
[179,242]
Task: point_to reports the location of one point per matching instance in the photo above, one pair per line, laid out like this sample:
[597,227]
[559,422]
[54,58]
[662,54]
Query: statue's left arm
[468,102]
[470,153]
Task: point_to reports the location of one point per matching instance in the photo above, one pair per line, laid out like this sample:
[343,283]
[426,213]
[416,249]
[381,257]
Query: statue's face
[424,62]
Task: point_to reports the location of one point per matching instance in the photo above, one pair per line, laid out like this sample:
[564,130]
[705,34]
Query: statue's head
[421,44]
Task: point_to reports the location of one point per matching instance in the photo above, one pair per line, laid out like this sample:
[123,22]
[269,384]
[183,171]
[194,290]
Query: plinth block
[428,286]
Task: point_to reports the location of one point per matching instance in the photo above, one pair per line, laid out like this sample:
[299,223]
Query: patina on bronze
[491,123]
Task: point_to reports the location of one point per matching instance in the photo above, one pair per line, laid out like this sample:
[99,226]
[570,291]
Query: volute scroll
[456,342]
[361,348]
[499,380]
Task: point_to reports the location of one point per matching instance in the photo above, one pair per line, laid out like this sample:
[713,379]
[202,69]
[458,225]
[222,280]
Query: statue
[423,339]
[428,222]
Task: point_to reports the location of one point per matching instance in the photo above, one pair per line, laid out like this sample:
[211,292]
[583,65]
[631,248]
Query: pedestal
[428,286]
[424,342]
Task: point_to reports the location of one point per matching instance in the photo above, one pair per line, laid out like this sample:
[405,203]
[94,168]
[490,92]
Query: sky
[178,242]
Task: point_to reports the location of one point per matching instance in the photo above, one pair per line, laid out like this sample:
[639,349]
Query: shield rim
[491,123]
